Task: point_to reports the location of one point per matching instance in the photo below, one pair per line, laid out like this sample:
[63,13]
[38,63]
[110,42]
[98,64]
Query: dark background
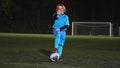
[35,16]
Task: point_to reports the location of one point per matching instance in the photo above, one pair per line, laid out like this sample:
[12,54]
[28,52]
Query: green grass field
[32,50]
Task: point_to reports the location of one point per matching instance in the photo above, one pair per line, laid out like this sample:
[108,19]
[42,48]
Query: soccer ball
[54,57]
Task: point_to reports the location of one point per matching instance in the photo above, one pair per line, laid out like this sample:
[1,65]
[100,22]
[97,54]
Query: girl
[61,22]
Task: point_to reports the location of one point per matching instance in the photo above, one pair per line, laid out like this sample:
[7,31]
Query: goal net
[92,28]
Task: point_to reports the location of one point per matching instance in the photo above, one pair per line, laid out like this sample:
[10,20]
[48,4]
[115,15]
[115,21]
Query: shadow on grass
[45,52]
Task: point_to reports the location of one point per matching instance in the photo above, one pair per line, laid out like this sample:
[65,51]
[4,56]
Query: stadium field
[32,51]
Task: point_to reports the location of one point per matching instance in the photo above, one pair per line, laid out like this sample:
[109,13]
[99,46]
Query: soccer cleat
[55,50]
[60,58]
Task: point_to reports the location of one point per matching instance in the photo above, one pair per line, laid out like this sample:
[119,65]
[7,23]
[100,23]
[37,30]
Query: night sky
[35,16]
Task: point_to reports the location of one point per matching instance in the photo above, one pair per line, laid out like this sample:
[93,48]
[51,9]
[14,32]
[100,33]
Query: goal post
[92,28]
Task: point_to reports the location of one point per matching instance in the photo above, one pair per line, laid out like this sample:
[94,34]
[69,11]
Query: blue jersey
[62,20]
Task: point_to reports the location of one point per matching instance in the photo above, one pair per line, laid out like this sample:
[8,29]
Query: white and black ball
[54,57]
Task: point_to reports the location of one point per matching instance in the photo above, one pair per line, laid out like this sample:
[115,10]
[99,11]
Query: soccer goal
[92,28]
[119,30]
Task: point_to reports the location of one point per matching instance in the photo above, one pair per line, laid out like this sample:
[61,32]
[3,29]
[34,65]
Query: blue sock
[60,49]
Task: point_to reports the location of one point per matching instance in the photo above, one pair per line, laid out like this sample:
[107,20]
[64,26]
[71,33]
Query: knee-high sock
[60,49]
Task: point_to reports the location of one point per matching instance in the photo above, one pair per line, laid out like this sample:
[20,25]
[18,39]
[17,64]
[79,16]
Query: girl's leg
[60,49]
[62,41]
[57,40]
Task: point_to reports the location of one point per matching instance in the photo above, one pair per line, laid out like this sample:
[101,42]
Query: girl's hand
[57,29]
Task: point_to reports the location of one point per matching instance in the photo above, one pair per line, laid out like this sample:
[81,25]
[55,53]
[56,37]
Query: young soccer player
[61,22]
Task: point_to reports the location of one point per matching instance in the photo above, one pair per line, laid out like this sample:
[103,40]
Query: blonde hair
[64,8]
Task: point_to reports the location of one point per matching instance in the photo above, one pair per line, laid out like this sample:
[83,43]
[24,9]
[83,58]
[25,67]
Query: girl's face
[60,10]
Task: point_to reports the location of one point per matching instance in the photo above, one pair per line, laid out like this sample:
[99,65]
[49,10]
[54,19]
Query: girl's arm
[66,24]
[64,27]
